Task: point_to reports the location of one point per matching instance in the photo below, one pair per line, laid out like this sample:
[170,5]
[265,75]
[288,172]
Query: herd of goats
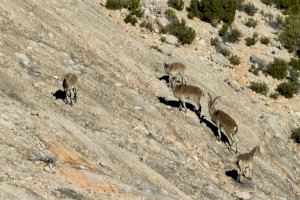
[184,92]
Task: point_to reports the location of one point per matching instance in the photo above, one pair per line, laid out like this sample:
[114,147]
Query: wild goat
[244,163]
[69,84]
[223,120]
[185,92]
[175,68]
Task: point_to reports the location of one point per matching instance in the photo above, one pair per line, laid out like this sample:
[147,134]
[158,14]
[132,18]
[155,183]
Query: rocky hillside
[125,137]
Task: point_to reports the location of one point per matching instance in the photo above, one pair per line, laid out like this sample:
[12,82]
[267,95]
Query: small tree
[277,69]
[193,10]
[234,59]
[177,4]
[251,23]
[185,34]
[265,40]
[218,10]
[260,88]
[250,9]
[251,40]
[296,135]
[295,63]
[232,36]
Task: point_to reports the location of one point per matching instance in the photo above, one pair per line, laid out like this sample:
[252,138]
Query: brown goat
[244,163]
[223,120]
[69,85]
[175,68]
[185,92]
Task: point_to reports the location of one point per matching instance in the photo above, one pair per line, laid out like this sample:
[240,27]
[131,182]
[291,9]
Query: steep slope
[125,138]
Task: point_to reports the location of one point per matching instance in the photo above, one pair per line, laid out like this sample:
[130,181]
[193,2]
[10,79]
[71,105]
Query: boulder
[171,39]
[162,22]
[220,59]
[242,195]
[260,62]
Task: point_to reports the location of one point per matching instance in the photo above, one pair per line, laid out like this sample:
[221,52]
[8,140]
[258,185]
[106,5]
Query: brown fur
[223,120]
[69,85]
[186,92]
[244,163]
[175,68]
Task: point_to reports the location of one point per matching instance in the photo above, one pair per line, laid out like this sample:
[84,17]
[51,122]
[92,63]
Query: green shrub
[250,9]
[215,42]
[218,10]
[268,2]
[171,15]
[116,4]
[138,12]
[265,40]
[193,10]
[232,36]
[251,23]
[119,4]
[296,135]
[235,60]
[295,63]
[240,5]
[274,95]
[254,70]
[276,23]
[260,88]
[251,40]
[290,35]
[177,4]
[185,34]
[288,89]
[278,68]
[133,4]
[130,18]
[224,29]
[148,25]
[226,52]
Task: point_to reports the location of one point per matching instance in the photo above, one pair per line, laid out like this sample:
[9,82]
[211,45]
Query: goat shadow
[164,78]
[59,94]
[232,174]
[213,128]
[176,104]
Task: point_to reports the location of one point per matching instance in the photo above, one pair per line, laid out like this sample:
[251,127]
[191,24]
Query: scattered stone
[205,164]
[260,62]
[124,12]
[165,51]
[242,195]
[35,155]
[220,59]
[162,22]
[199,152]
[38,84]
[275,43]
[171,39]
[23,58]
[273,122]
[234,84]
[118,84]
[273,51]
[68,193]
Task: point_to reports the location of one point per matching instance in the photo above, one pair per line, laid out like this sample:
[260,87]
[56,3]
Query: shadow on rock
[164,78]
[59,94]
[175,104]
[213,128]
[233,174]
